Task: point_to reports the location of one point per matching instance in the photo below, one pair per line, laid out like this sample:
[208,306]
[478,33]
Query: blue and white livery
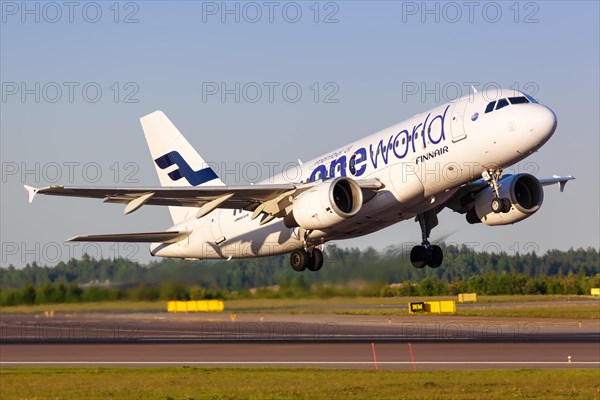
[451,156]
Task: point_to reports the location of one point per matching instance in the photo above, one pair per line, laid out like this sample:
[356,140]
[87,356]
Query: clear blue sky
[366,59]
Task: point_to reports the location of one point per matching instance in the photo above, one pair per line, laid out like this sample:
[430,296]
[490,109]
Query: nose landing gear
[426,253]
[499,204]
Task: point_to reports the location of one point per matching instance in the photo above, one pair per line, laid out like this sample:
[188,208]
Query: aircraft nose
[542,122]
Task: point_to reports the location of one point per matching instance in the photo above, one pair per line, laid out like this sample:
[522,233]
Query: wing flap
[142,237]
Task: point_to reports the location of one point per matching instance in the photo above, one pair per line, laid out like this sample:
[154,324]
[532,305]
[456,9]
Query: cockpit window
[525,99]
[518,100]
[531,99]
[501,104]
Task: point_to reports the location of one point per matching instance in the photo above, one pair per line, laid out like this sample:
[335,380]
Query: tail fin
[176,161]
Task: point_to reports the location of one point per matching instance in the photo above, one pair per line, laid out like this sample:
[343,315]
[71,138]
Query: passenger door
[457,120]
[215,225]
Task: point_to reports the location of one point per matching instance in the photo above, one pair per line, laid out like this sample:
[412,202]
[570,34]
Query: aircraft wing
[561,181]
[271,199]
[169,196]
[462,200]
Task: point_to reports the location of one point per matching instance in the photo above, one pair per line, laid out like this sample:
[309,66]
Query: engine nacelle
[326,204]
[525,193]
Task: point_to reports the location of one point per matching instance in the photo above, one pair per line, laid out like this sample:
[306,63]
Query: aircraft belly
[384,214]
[381,211]
[245,237]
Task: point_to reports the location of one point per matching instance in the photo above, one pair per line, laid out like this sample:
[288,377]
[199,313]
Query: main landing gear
[426,253]
[301,259]
[499,204]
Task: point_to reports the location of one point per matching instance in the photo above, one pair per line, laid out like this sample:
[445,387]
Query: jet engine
[524,192]
[326,204]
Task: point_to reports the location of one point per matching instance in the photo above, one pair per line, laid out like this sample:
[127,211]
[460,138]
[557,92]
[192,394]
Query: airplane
[451,156]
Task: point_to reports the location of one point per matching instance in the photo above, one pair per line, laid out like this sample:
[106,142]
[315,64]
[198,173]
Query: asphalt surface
[328,341]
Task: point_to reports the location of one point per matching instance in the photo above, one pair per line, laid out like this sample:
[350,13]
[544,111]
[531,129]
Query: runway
[281,340]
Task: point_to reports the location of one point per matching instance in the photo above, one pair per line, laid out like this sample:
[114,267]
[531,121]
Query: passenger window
[501,104]
[518,100]
[490,106]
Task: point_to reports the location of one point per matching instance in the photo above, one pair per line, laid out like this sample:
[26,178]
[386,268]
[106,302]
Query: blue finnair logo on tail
[195,178]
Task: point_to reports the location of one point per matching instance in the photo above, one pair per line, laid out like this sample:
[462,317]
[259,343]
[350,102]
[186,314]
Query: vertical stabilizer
[177,163]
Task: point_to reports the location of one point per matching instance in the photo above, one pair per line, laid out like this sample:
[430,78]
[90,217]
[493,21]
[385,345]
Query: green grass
[262,383]
[487,306]
[579,311]
[89,307]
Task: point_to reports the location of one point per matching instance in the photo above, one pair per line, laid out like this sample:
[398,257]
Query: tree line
[347,272]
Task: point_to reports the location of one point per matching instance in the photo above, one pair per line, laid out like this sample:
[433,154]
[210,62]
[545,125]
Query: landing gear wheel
[506,205]
[426,254]
[501,205]
[497,206]
[299,260]
[316,260]
[436,256]
[419,256]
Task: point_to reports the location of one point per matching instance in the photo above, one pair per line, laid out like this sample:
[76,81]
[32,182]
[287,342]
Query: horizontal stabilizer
[144,237]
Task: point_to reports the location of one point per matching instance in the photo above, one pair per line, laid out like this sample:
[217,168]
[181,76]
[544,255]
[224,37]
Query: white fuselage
[421,162]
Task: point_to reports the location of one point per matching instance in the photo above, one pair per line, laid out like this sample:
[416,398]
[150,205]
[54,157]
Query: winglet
[563,182]
[31,191]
